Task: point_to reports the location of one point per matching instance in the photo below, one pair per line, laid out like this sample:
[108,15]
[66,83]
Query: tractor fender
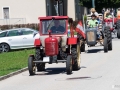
[72,40]
[37,42]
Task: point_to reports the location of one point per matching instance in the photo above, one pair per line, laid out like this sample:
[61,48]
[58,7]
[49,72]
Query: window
[51,7]
[6,12]
[3,34]
[26,32]
[13,33]
[56,27]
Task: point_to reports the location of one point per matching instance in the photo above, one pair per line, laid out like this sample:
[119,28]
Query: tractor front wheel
[38,57]
[76,57]
[69,65]
[31,65]
[105,45]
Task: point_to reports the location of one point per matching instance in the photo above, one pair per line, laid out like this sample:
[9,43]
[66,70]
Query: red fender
[72,40]
[37,42]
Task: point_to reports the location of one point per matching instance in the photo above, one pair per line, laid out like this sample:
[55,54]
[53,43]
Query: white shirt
[96,14]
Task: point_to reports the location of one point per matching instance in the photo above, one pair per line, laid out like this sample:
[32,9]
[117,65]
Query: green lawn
[13,61]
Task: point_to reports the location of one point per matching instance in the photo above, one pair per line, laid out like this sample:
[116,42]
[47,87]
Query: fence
[12,21]
[33,26]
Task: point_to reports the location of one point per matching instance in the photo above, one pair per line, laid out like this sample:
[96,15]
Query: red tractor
[113,23]
[54,45]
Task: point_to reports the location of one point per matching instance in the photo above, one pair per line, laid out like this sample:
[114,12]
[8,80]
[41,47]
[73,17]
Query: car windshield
[56,26]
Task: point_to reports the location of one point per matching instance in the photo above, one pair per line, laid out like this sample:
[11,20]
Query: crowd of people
[108,13]
[95,20]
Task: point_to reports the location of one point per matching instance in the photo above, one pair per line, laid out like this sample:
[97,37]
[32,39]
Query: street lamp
[93,3]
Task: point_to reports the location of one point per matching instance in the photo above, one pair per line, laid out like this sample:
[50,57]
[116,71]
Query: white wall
[29,9]
[71,9]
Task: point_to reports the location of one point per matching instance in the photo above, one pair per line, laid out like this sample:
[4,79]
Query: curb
[13,73]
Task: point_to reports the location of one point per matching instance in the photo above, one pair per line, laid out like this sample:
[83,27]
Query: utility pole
[93,3]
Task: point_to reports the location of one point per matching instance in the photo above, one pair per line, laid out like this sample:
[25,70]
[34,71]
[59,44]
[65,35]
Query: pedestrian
[93,11]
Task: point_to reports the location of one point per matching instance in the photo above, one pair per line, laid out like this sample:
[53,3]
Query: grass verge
[13,61]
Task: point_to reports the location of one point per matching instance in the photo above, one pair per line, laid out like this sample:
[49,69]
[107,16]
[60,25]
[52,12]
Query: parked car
[17,38]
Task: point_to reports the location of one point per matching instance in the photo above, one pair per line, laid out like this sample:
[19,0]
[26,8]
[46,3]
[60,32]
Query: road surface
[99,71]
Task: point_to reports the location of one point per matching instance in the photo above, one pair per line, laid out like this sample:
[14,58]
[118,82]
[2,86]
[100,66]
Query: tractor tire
[38,57]
[108,34]
[82,48]
[31,65]
[118,33]
[118,24]
[110,46]
[76,57]
[69,65]
[105,45]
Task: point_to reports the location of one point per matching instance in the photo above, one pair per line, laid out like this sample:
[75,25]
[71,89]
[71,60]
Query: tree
[99,4]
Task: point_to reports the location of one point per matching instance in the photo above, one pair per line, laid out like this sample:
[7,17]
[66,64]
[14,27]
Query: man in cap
[93,22]
[57,28]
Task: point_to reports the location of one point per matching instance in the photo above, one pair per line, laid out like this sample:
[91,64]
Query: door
[14,39]
[28,37]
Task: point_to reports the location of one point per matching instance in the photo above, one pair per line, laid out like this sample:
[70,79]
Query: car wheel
[4,48]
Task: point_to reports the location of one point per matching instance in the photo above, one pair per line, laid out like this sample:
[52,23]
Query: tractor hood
[62,38]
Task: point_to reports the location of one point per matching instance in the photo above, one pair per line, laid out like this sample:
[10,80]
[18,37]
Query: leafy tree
[99,4]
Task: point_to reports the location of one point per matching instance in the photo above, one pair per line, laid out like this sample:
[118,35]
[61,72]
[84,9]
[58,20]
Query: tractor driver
[57,28]
[93,22]
[107,15]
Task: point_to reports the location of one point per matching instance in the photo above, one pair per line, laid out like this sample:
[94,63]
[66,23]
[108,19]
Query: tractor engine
[51,46]
[109,22]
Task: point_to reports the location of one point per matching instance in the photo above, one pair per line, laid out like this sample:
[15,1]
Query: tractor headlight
[41,47]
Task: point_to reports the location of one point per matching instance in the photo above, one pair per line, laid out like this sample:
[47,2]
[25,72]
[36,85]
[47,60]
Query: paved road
[99,71]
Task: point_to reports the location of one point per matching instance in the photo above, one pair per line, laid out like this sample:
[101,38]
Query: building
[28,11]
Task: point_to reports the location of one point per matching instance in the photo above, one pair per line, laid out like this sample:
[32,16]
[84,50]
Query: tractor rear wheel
[118,33]
[118,24]
[108,35]
[38,57]
[110,45]
[82,48]
[69,65]
[76,57]
[105,45]
[31,65]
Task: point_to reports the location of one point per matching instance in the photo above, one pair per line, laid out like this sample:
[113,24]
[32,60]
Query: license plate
[46,59]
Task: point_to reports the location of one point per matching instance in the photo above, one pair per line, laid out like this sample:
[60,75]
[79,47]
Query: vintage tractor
[104,33]
[114,24]
[55,46]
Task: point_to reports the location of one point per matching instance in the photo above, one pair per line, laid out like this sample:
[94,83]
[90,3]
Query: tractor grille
[109,24]
[50,48]
[91,36]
